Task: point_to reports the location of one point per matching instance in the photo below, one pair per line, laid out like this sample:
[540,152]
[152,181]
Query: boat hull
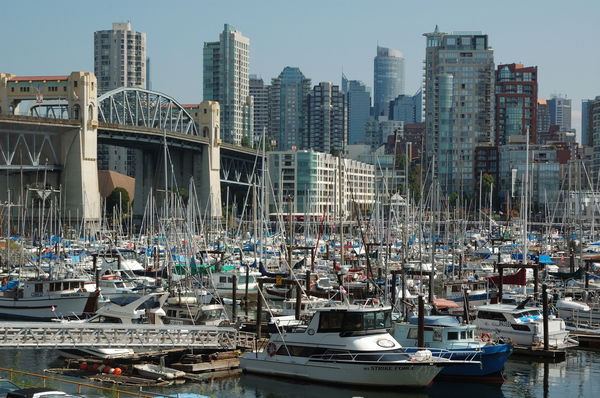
[492,360]
[407,374]
[45,308]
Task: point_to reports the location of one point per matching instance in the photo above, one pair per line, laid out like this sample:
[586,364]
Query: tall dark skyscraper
[586,130]
[260,94]
[288,107]
[327,119]
[560,112]
[358,98]
[516,102]
[388,79]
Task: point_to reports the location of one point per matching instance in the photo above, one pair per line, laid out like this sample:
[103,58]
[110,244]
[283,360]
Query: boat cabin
[351,321]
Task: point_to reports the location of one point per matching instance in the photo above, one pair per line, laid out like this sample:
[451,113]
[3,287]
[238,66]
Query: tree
[118,199]
[488,182]
[246,142]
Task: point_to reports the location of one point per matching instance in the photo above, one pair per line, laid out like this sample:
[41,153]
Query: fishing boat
[521,325]
[347,344]
[44,299]
[459,341]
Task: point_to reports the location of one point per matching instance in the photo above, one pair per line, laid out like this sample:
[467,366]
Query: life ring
[271,349]
[485,337]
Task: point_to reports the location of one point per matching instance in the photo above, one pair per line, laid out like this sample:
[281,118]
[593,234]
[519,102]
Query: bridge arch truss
[145,109]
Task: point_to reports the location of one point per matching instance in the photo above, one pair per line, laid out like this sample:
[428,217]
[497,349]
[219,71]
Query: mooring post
[234,297]
[545,309]
[258,309]
[298,300]
[421,324]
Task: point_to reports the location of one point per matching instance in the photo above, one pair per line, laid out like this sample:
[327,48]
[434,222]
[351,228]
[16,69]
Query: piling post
[246,288]
[307,285]
[545,309]
[259,305]
[298,300]
[234,298]
[96,270]
[500,274]
[394,277]
[466,305]
[536,280]
[421,324]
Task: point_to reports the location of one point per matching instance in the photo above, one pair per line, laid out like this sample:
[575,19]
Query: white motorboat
[521,325]
[44,299]
[348,345]
[121,310]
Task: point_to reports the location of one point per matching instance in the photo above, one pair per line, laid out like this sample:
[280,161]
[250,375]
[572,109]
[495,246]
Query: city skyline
[317,41]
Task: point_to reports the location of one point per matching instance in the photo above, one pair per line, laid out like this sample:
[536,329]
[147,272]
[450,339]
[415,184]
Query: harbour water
[578,376]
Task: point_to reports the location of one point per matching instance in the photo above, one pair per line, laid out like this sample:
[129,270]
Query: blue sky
[321,37]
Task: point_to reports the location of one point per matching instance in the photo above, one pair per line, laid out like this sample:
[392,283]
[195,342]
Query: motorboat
[44,299]
[346,344]
[458,341]
[521,325]
[121,310]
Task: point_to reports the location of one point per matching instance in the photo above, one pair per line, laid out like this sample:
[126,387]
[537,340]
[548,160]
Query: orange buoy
[117,372]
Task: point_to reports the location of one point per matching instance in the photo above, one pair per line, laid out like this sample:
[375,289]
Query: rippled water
[578,376]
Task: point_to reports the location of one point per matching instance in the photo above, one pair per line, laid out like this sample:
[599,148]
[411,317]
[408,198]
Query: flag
[52,308]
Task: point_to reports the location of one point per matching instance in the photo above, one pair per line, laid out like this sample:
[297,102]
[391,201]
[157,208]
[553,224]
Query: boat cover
[436,320]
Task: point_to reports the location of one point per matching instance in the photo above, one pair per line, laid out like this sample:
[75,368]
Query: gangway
[67,335]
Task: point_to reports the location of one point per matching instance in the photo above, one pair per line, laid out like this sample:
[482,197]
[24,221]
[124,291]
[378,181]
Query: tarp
[518,278]
[567,275]
[545,259]
[9,285]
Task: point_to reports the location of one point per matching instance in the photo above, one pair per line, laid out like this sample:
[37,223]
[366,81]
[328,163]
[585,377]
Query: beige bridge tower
[70,144]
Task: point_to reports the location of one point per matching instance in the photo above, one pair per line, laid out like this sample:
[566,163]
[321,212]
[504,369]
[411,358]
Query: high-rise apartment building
[358,98]
[586,131]
[459,109]
[260,99]
[594,121]
[407,108]
[119,61]
[516,102]
[288,107]
[560,112]
[226,79]
[327,119]
[119,57]
[388,79]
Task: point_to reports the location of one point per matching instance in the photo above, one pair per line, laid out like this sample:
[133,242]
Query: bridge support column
[207,166]
[145,180]
[79,178]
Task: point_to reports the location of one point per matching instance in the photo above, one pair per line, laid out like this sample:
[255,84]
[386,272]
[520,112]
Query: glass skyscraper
[358,97]
[388,79]
[560,112]
[288,106]
[459,109]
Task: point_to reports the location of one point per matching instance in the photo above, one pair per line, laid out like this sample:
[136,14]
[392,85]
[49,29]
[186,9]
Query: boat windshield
[350,322]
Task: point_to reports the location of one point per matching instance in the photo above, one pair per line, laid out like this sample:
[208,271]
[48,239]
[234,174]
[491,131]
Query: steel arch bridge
[147,109]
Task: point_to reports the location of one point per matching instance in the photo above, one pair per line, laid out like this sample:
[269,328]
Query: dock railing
[27,379]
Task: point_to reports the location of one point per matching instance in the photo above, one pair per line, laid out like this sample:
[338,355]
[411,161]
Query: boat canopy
[436,320]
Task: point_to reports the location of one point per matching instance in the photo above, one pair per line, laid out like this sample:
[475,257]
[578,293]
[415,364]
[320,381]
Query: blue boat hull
[492,360]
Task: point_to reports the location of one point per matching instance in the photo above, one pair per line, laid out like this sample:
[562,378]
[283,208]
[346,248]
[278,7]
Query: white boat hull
[407,374]
[71,304]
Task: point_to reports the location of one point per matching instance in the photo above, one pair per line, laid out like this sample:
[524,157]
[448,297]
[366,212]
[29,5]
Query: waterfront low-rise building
[311,182]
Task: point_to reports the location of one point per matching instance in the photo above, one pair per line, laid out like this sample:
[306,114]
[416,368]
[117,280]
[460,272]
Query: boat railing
[467,354]
[436,355]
